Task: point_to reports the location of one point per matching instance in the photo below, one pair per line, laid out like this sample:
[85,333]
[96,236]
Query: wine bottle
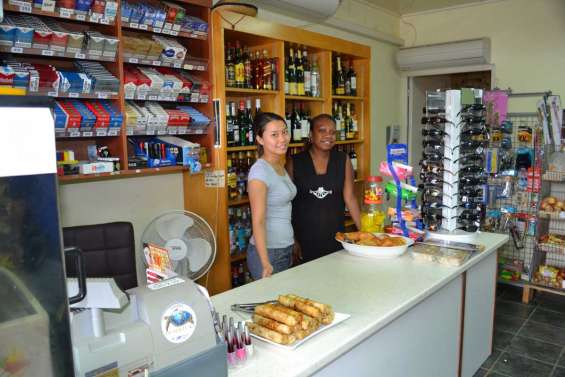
[296,126]
[340,78]
[293,90]
[299,72]
[304,123]
[347,83]
[353,159]
[236,139]
[267,71]
[229,126]
[315,79]
[354,122]
[230,67]
[259,79]
[249,123]
[348,122]
[337,119]
[248,72]
[257,107]
[352,78]
[307,73]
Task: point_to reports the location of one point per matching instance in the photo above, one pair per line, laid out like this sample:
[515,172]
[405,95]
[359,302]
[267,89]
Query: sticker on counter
[109,370]
[214,178]
[178,323]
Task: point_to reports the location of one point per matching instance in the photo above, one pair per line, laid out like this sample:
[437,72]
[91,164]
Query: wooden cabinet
[276,39]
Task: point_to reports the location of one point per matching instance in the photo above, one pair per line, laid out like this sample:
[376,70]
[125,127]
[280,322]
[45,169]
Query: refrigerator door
[34,319]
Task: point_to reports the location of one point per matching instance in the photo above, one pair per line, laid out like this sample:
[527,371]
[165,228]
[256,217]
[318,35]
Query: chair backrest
[108,251]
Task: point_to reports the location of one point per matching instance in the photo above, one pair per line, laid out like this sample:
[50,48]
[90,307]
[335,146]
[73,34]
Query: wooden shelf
[238,202]
[241,149]
[171,32]
[251,91]
[238,257]
[304,98]
[352,141]
[348,98]
[59,13]
[100,132]
[67,179]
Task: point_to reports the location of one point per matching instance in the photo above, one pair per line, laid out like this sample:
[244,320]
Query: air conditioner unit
[452,54]
[317,10]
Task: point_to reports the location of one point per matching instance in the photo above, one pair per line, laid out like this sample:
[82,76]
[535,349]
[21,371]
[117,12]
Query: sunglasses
[435,120]
[433,132]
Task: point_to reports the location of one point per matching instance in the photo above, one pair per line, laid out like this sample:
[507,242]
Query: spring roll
[328,314]
[273,325]
[301,334]
[275,312]
[270,334]
[301,306]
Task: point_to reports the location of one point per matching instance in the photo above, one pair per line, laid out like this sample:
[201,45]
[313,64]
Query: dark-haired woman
[324,179]
[270,195]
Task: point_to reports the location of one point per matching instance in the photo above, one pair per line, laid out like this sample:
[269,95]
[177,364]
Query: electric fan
[188,238]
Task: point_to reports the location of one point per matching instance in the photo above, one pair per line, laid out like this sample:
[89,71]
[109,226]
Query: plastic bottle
[373,216]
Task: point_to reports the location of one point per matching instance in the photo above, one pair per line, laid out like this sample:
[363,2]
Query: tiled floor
[529,340]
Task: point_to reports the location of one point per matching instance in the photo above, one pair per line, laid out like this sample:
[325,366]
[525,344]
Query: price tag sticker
[25,8]
[87,134]
[177,65]
[141,97]
[16,50]
[174,33]
[157,62]
[134,25]
[94,17]
[188,66]
[129,132]
[73,95]
[161,132]
[182,131]
[143,27]
[52,94]
[133,60]
[105,21]
[157,30]
[152,98]
[80,55]
[47,52]
[114,133]
[65,13]
[101,132]
[102,95]
[150,132]
[80,17]
[74,134]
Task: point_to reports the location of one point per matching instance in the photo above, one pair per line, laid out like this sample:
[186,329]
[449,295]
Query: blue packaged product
[126,9]
[7,34]
[60,117]
[23,36]
[83,6]
[196,24]
[88,118]
[21,79]
[116,117]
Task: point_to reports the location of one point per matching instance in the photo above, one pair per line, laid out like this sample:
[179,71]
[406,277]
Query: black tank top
[318,210]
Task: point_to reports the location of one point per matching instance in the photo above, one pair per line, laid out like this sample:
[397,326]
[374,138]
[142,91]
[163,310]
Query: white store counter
[407,318]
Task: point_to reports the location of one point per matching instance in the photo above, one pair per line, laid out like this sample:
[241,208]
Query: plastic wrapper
[441,255]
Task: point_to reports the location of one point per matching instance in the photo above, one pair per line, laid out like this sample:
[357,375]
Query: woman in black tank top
[324,182]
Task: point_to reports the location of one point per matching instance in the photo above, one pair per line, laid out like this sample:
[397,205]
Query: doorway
[417,87]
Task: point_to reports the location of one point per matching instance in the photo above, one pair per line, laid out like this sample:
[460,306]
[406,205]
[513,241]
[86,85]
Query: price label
[141,97]
[25,8]
[152,98]
[134,25]
[101,132]
[80,17]
[177,65]
[143,27]
[105,21]
[52,94]
[200,68]
[183,131]
[102,95]
[47,52]
[162,98]
[199,132]
[172,132]
[74,134]
[174,32]
[16,50]
[157,30]
[156,62]
[133,60]
[113,133]
[161,132]
[87,134]
[65,13]
[150,132]
[80,55]
[188,66]
[129,132]
[72,95]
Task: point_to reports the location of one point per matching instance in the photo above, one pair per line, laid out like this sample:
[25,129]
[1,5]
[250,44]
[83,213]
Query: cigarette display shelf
[166,31]
[187,65]
[60,13]
[47,53]
[166,99]
[104,132]
[160,132]
[56,94]
[276,39]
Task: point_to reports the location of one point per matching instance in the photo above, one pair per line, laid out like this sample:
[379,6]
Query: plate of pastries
[374,245]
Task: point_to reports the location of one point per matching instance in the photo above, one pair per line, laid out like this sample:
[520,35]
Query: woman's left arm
[349,193]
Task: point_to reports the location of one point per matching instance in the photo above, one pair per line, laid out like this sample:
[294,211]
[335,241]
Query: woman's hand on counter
[267,270]
[296,254]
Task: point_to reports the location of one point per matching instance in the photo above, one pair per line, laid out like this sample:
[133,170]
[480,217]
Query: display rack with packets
[75,116]
[103,11]
[151,118]
[165,151]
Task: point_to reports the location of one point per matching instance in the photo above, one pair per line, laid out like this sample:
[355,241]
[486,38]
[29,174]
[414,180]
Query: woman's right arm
[258,201]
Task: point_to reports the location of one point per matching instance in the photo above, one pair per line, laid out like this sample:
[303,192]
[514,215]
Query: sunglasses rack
[451,149]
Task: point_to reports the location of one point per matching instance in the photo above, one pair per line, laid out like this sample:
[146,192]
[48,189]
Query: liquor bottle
[235,125]
[241,120]
[249,123]
[292,90]
[229,126]
[349,134]
[352,79]
[267,71]
[342,131]
[234,277]
[232,179]
[241,273]
[339,77]
[354,122]
[353,159]
[299,72]
[248,71]
[296,126]
[288,119]
[347,81]
[239,66]
[242,174]
[315,79]
[304,123]
[337,119]
[307,73]
[259,78]
[230,66]
[257,107]
[286,80]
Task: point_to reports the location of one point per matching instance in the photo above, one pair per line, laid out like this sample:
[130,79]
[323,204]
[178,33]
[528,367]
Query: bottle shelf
[251,91]
[351,141]
[347,98]
[65,14]
[57,54]
[167,31]
[238,257]
[241,149]
[304,98]
[238,202]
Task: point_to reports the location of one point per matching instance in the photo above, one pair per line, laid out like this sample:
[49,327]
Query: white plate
[339,317]
[378,252]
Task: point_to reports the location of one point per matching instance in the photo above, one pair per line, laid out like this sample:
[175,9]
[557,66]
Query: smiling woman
[324,181]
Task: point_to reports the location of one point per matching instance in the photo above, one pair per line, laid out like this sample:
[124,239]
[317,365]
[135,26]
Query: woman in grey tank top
[270,195]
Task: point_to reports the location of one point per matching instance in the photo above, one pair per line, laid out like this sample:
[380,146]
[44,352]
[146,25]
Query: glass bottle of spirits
[249,123]
[248,71]
[296,126]
[267,71]
[235,125]
[229,126]
[241,119]
[232,179]
[340,78]
[274,73]
[307,73]
[230,66]
[353,159]
[354,122]
[259,71]
[239,66]
[257,106]
[337,119]
[352,79]
[293,90]
[349,134]
[315,79]
[347,82]
[299,72]
[286,80]
[304,123]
